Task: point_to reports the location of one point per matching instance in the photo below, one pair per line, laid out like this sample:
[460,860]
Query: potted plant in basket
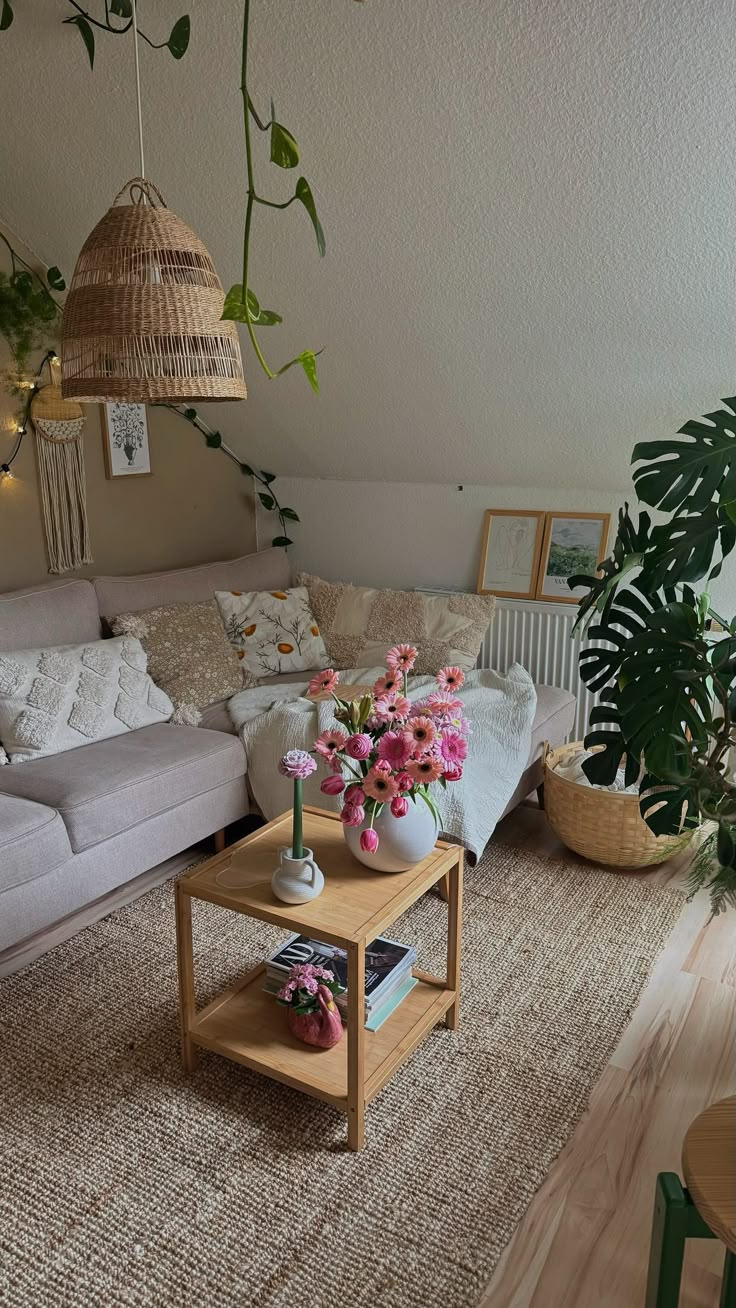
[388,756]
[666,679]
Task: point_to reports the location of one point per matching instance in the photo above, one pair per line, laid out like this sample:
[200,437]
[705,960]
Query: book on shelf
[388,964]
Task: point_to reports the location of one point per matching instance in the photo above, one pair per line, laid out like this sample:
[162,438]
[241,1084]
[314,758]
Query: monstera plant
[661,659]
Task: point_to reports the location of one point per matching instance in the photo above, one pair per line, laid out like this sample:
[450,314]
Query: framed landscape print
[573,542]
[125,437]
[509,557]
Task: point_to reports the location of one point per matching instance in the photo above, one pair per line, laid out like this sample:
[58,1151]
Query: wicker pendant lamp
[142,320]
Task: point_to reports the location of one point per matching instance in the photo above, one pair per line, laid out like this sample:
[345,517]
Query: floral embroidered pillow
[52,700]
[274,629]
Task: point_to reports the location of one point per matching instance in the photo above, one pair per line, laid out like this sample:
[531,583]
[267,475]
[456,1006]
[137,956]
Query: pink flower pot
[323,1028]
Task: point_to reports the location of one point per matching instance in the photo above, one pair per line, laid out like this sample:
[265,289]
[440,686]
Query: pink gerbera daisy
[391,708]
[389,682]
[453,746]
[450,679]
[323,681]
[329,742]
[425,769]
[442,705]
[379,784]
[422,732]
[401,658]
[395,748]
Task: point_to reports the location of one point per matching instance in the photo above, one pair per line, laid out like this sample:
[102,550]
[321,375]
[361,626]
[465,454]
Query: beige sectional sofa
[76,827]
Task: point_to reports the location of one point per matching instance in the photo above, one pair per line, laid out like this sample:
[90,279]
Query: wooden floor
[584,1240]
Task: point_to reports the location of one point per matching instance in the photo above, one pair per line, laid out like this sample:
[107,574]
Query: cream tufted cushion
[56,699]
[360,624]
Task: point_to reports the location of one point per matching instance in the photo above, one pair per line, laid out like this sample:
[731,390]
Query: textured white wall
[394,534]
[530,209]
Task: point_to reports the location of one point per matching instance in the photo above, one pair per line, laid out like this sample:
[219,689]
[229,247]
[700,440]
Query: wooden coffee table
[245,1024]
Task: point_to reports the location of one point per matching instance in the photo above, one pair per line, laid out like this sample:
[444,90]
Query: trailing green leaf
[308,361]
[213,440]
[6,16]
[284,149]
[121,8]
[290,514]
[86,34]
[304,193]
[178,41]
[266,500]
[55,279]
[282,542]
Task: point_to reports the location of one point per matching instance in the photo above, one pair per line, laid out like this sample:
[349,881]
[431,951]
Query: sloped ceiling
[529,204]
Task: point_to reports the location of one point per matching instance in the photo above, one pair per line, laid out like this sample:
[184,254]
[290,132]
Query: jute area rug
[124,1183]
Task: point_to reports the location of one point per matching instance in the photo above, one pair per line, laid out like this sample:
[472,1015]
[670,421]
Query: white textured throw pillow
[52,700]
[275,630]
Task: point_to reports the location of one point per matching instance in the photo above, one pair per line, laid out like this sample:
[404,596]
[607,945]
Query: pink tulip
[368,841]
[453,772]
[404,781]
[332,786]
[352,815]
[358,746]
[399,806]
[354,794]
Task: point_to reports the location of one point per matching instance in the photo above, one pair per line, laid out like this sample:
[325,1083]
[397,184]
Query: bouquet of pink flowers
[392,751]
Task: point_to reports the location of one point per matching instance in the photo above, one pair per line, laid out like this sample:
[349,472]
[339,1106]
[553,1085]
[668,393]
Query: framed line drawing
[510,553]
[573,542]
[125,440]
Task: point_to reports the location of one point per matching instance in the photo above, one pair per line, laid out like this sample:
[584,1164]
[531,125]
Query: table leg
[356,1041]
[454,933]
[185,967]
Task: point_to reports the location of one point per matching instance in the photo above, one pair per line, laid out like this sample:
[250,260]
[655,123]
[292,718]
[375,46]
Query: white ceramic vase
[297,880]
[402,842]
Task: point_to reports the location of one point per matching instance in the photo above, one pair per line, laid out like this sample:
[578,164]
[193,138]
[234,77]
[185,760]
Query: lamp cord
[138,89]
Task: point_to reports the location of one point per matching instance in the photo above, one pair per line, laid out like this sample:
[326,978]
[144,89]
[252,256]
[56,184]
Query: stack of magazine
[388,971]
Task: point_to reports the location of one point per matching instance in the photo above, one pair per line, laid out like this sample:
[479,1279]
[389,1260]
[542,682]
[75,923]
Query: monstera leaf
[607,740]
[666,809]
[629,549]
[695,479]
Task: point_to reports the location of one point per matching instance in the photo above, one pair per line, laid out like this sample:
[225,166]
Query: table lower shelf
[248,1026]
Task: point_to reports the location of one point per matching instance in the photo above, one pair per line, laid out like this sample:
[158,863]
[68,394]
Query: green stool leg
[728,1287]
[667,1250]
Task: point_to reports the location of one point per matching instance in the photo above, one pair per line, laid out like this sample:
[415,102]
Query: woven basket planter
[602,825]
[142,321]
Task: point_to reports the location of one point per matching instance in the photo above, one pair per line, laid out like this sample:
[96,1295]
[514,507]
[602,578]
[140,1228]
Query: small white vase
[297,880]
[402,842]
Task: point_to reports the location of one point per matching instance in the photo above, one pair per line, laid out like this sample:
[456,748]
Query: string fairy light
[6,472]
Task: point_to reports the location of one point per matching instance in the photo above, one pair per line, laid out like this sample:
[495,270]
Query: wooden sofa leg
[219,841]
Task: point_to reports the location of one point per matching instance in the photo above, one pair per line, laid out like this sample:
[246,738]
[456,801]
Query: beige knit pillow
[189,654]
[359,625]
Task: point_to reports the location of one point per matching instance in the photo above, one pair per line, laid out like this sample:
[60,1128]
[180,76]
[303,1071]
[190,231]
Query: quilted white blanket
[272,719]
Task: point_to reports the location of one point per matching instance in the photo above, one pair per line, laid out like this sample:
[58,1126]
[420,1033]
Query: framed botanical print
[509,557]
[573,543]
[125,438]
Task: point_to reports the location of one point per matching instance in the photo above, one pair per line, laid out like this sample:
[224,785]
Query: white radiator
[538,636]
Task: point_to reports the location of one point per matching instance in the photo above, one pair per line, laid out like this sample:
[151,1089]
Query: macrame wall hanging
[58,425]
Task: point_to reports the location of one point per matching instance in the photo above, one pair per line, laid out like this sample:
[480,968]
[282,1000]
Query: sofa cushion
[105,788]
[360,624]
[189,655]
[53,700]
[54,613]
[274,631]
[33,841]
[266,570]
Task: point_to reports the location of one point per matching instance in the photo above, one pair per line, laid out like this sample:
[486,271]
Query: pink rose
[359,746]
[368,841]
[399,806]
[354,794]
[332,786]
[352,815]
